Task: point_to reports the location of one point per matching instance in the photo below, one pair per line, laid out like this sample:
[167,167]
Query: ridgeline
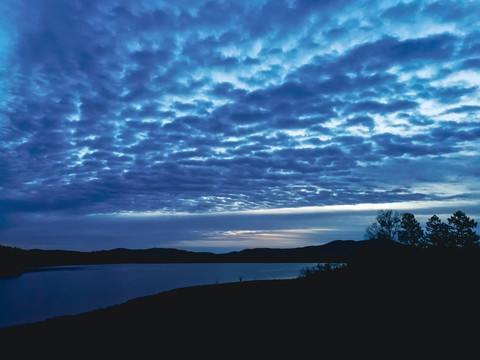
[13,260]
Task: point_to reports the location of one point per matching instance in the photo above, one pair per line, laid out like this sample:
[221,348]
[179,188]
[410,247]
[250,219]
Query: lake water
[66,290]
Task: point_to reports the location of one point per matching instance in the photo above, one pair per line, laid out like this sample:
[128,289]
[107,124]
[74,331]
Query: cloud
[473,63]
[377,107]
[401,11]
[452,94]
[395,145]
[463,109]
[219,106]
[388,51]
[457,131]
[450,10]
[362,120]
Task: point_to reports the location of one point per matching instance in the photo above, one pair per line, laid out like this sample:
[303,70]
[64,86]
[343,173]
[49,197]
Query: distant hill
[335,251]
[14,260]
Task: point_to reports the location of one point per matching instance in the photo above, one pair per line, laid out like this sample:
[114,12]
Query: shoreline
[352,305]
[86,288]
[408,303]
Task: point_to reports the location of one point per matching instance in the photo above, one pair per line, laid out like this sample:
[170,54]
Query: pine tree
[411,233]
[461,230]
[437,232]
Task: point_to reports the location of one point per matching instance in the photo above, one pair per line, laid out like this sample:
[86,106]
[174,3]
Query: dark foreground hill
[388,304]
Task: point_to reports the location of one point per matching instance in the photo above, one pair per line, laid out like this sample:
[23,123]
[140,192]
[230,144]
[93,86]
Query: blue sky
[223,125]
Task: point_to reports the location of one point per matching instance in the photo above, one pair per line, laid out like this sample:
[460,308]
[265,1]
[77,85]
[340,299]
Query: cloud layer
[192,106]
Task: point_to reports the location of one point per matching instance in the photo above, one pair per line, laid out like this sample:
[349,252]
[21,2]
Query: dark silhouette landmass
[390,301]
[13,260]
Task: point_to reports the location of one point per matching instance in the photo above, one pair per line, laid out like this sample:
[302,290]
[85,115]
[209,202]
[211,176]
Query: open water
[67,290]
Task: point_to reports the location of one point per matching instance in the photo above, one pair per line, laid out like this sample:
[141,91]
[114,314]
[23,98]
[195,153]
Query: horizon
[218,126]
[207,236]
[205,251]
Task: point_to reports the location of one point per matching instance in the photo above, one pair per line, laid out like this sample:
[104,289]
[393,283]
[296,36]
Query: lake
[67,290]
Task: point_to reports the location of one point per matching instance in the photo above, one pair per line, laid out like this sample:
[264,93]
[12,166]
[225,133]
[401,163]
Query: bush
[321,267]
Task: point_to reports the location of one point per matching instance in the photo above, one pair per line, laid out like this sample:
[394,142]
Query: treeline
[457,232]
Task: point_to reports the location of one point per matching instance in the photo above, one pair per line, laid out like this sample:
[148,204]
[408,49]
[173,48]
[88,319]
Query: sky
[223,125]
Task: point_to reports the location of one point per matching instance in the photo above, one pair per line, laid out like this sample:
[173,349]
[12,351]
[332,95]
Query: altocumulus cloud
[196,107]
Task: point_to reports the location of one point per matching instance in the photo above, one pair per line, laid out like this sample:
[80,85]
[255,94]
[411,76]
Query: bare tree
[386,228]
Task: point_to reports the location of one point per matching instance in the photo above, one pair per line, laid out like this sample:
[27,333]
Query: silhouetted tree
[461,230]
[437,232]
[458,232]
[386,228]
[411,233]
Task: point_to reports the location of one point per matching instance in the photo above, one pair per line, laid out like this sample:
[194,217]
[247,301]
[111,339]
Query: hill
[335,251]
[14,260]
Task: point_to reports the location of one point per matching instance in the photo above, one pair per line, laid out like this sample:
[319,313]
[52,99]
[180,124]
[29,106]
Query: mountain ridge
[15,260]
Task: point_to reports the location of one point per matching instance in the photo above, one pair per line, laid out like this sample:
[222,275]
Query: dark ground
[381,307]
